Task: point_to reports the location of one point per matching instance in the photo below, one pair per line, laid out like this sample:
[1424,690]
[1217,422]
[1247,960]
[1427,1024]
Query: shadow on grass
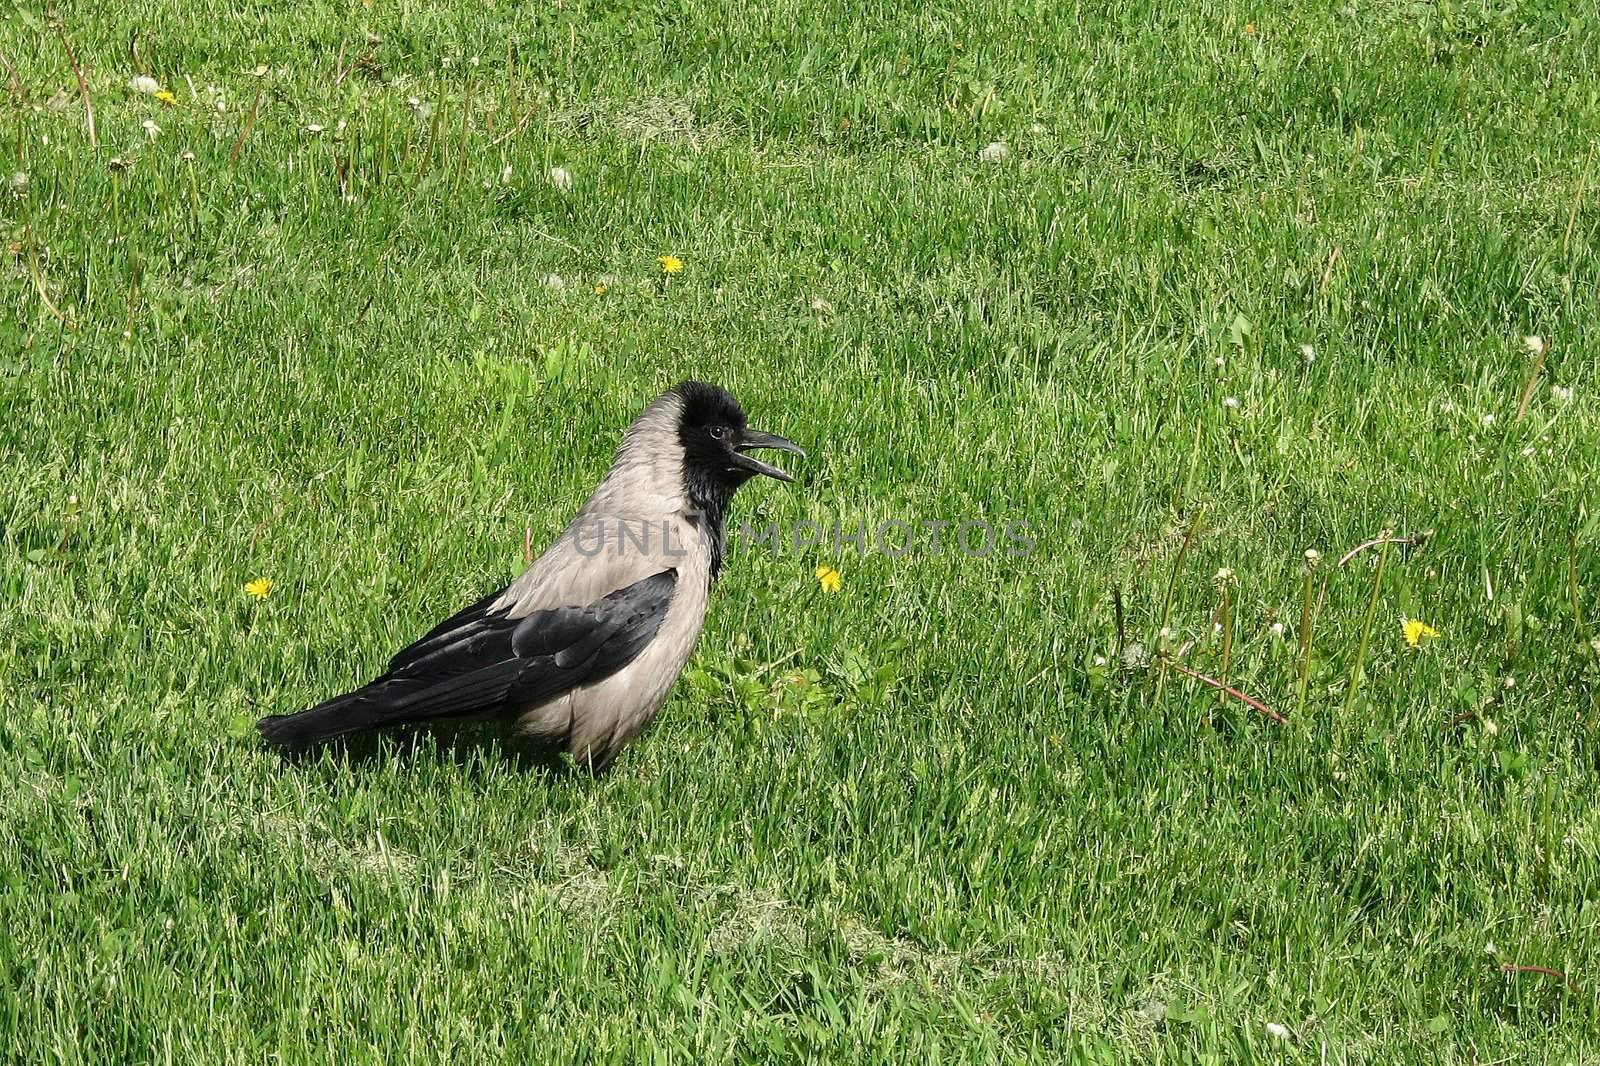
[475,747]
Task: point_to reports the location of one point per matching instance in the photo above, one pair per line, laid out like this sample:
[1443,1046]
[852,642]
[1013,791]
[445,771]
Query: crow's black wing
[482,663]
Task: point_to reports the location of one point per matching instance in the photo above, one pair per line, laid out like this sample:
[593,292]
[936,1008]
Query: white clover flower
[1488,418]
[1560,393]
[505,174]
[1099,660]
[1278,1032]
[553,281]
[19,180]
[994,152]
[821,306]
[1277,630]
[315,128]
[1220,361]
[1535,345]
[144,83]
[561,179]
[1231,403]
[1490,949]
[1308,354]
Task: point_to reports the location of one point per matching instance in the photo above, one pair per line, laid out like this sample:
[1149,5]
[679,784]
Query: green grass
[982,827]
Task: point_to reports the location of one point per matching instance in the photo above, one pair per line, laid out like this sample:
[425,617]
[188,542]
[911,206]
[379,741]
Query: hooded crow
[578,654]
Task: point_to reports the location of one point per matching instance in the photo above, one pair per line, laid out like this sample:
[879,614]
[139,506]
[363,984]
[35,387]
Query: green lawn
[307,325]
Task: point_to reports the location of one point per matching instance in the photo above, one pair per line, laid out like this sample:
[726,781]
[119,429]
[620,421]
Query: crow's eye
[718,432]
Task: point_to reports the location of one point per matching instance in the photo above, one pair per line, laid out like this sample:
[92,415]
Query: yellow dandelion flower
[1416,631]
[258,589]
[828,578]
[599,290]
[1249,29]
[670,264]
[166,97]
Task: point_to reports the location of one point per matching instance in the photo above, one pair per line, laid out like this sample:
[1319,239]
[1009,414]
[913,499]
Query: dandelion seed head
[1308,354]
[151,129]
[553,281]
[1277,629]
[1231,403]
[994,152]
[144,83]
[561,179]
[1560,393]
[19,180]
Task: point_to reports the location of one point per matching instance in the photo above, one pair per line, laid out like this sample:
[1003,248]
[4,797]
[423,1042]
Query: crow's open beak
[754,438]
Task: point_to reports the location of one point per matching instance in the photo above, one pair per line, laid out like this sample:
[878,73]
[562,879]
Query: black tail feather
[392,701]
[353,712]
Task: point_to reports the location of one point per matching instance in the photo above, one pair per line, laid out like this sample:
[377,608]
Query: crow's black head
[716,440]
